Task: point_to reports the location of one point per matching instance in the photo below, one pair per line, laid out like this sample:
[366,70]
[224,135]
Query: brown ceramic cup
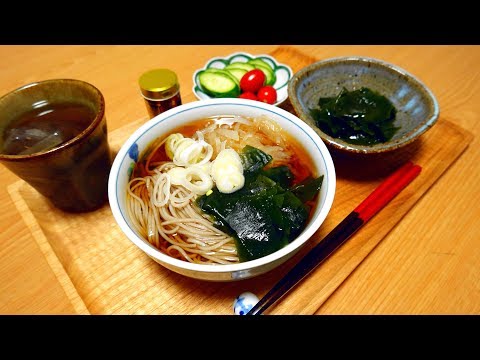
[72,174]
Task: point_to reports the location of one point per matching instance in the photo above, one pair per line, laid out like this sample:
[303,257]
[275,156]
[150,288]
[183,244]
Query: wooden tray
[104,273]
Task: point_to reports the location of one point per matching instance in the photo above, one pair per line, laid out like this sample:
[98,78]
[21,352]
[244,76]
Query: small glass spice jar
[160,89]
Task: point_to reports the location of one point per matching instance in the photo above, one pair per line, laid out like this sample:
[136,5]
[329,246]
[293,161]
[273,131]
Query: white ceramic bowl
[171,119]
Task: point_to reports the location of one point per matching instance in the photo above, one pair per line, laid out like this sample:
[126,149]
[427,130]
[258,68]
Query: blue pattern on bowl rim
[132,154]
[283,73]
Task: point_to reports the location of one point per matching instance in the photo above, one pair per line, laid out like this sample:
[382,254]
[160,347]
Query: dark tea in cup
[45,127]
[53,134]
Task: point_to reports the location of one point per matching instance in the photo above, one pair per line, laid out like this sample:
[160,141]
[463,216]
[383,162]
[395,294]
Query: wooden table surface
[433,253]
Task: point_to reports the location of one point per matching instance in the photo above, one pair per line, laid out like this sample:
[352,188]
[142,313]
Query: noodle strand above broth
[162,194]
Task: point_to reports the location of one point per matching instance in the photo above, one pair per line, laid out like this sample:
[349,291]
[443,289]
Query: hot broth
[180,196]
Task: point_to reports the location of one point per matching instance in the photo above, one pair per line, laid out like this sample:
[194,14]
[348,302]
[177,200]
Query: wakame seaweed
[363,116]
[308,188]
[253,159]
[265,215]
[280,174]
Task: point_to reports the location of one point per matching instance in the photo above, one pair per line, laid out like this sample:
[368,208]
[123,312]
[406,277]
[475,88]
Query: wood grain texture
[28,284]
[46,248]
[427,264]
[434,155]
[112,276]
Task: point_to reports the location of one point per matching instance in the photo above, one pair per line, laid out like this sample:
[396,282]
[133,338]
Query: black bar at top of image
[159,23]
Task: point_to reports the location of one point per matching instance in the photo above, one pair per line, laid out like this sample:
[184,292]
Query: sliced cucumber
[218,83]
[240,65]
[238,73]
[258,61]
[270,77]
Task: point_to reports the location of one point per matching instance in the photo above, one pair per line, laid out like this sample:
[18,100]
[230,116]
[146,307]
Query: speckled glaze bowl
[417,108]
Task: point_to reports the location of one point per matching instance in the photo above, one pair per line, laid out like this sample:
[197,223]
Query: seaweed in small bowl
[362,117]
[416,108]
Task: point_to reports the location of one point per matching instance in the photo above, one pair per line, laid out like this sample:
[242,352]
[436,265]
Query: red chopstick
[387,190]
[372,204]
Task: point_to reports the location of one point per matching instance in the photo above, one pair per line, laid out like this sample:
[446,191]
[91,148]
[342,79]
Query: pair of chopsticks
[374,202]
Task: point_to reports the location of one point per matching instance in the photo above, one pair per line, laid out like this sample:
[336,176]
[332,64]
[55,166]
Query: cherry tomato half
[252,81]
[267,94]
[248,95]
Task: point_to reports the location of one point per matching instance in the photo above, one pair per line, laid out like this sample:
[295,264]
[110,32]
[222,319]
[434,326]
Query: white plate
[283,73]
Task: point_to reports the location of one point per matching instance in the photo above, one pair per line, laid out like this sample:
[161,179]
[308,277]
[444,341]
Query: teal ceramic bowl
[417,107]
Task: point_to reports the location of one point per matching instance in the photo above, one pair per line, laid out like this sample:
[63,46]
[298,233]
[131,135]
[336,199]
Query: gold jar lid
[159,84]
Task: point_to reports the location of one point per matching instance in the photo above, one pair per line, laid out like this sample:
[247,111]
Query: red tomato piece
[252,81]
[267,94]
[248,95]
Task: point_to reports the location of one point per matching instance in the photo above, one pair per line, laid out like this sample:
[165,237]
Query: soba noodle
[166,214]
